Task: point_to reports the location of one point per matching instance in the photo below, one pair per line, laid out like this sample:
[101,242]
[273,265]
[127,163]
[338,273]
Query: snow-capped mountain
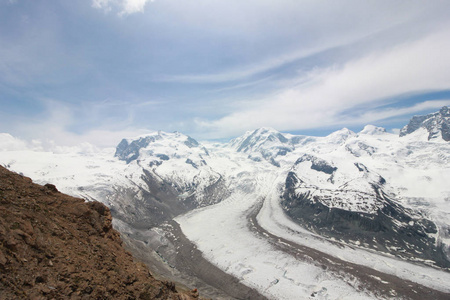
[349,202]
[174,177]
[346,186]
[436,124]
[263,143]
[370,193]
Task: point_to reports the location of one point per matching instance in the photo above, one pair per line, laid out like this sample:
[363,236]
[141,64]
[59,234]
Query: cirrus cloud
[125,7]
[326,94]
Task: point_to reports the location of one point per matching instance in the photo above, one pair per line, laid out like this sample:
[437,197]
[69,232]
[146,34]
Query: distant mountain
[436,124]
[174,177]
[330,186]
[129,149]
[347,201]
[262,144]
[370,189]
[372,130]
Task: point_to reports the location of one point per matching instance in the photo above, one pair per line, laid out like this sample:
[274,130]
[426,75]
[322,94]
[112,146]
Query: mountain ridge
[370,190]
[437,124]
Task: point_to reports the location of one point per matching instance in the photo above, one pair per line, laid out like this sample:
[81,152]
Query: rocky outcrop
[129,151]
[390,228]
[174,177]
[53,246]
[317,164]
[437,124]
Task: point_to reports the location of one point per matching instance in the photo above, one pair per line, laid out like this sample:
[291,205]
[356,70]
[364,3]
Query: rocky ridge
[54,246]
[437,124]
[369,189]
[174,177]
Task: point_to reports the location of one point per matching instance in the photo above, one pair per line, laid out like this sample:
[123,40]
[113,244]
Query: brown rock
[2,259]
[51,187]
[53,246]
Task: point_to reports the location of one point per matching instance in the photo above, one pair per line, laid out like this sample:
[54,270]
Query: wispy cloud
[124,7]
[416,66]
[244,72]
[256,68]
[54,126]
[214,69]
[10,143]
[389,112]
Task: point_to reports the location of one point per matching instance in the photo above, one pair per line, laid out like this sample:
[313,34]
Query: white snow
[416,172]
[221,232]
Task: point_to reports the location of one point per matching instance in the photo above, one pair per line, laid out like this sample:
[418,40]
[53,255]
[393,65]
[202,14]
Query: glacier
[358,215]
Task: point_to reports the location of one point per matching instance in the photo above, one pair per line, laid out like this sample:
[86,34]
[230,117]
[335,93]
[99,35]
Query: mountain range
[371,200]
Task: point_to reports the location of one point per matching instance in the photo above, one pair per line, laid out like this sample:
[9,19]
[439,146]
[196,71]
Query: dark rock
[436,124]
[162,156]
[77,254]
[130,151]
[190,162]
[317,164]
[51,187]
[191,143]
[390,229]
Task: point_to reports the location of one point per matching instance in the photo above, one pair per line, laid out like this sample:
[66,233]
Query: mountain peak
[340,136]
[253,140]
[372,130]
[437,124]
[129,149]
[445,111]
[264,130]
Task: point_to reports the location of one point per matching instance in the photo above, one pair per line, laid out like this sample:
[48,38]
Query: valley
[270,215]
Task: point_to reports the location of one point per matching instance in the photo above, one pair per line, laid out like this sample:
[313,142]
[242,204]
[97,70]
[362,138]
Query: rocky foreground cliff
[54,246]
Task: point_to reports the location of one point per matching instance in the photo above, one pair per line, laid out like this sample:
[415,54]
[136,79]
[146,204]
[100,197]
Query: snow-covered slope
[370,192]
[262,144]
[436,124]
[176,160]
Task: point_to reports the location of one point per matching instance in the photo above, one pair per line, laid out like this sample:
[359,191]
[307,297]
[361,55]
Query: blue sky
[97,71]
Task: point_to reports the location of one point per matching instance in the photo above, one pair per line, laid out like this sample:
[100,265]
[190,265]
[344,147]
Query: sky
[97,71]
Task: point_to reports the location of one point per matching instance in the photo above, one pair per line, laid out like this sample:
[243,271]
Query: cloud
[53,130]
[386,113]
[326,94]
[133,6]
[314,44]
[10,143]
[102,4]
[225,66]
[262,36]
[125,7]
[244,72]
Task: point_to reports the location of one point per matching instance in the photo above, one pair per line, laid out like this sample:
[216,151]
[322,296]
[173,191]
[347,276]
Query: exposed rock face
[129,151]
[389,228]
[317,164]
[53,246]
[174,177]
[437,124]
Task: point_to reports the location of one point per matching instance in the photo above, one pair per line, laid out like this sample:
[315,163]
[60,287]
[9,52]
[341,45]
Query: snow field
[273,219]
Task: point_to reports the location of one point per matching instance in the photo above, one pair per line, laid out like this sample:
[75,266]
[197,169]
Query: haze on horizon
[97,71]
